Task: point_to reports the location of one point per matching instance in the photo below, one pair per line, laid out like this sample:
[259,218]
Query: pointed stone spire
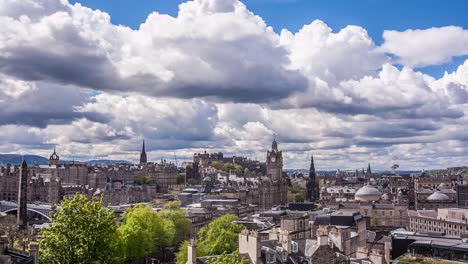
[312,167]
[312,186]
[368,172]
[143,158]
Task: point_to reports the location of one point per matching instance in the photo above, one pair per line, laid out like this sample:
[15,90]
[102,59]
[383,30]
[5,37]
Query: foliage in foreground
[143,231]
[220,237]
[83,231]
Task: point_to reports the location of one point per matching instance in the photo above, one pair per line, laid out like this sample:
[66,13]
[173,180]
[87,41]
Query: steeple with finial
[368,172]
[143,158]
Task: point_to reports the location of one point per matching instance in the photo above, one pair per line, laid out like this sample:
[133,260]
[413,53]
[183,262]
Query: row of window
[435,223]
[422,228]
[9,196]
[382,212]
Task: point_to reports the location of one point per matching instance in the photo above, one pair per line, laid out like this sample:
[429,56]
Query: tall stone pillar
[34,252]
[21,219]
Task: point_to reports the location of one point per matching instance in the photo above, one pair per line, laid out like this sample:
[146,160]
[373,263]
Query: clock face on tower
[273,159]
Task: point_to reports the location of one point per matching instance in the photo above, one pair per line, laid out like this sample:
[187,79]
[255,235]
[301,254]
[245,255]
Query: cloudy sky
[352,83]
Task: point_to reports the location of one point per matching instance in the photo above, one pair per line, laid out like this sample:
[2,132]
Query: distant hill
[17,159]
[35,159]
[104,161]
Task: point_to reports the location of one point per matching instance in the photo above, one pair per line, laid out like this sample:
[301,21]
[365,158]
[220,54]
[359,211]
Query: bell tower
[274,162]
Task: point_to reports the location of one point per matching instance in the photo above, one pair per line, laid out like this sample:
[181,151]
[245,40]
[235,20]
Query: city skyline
[229,76]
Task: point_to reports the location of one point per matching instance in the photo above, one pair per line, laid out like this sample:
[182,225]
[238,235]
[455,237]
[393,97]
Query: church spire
[312,167]
[143,159]
[368,172]
[312,186]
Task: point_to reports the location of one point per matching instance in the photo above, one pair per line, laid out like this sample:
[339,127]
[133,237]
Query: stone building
[346,228]
[381,214]
[51,183]
[200,166]
[336,193]
[450,221]
[304,251]
[273,188]
[442,186]
[435,198]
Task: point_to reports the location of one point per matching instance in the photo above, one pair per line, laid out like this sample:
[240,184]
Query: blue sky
[373,15]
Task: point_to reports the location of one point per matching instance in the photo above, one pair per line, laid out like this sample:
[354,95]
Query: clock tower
[274,162]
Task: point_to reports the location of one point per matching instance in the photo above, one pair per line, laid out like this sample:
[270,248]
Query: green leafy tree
[217,165]
[145,180]
[299,198]
[180,178]
[293,190]
[181,256]
[193,182]
[238,169]
[246,171]
[9,228]
[83,231]
[143,232]
[219,237]
[234,258]
[183,226]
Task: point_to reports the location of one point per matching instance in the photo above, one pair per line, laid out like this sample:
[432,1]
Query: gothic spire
[312,167]
[312,186]
[143,159]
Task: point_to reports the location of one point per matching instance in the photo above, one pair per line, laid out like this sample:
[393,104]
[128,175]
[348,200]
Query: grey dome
[367,193]
[438,196]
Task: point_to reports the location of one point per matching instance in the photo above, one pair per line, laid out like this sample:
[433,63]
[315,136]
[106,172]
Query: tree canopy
[238,169]
[234,258]
[145,180]
[220,237]
[143,231]
[183,226]
[299,198]
[180,178]
[83,231]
